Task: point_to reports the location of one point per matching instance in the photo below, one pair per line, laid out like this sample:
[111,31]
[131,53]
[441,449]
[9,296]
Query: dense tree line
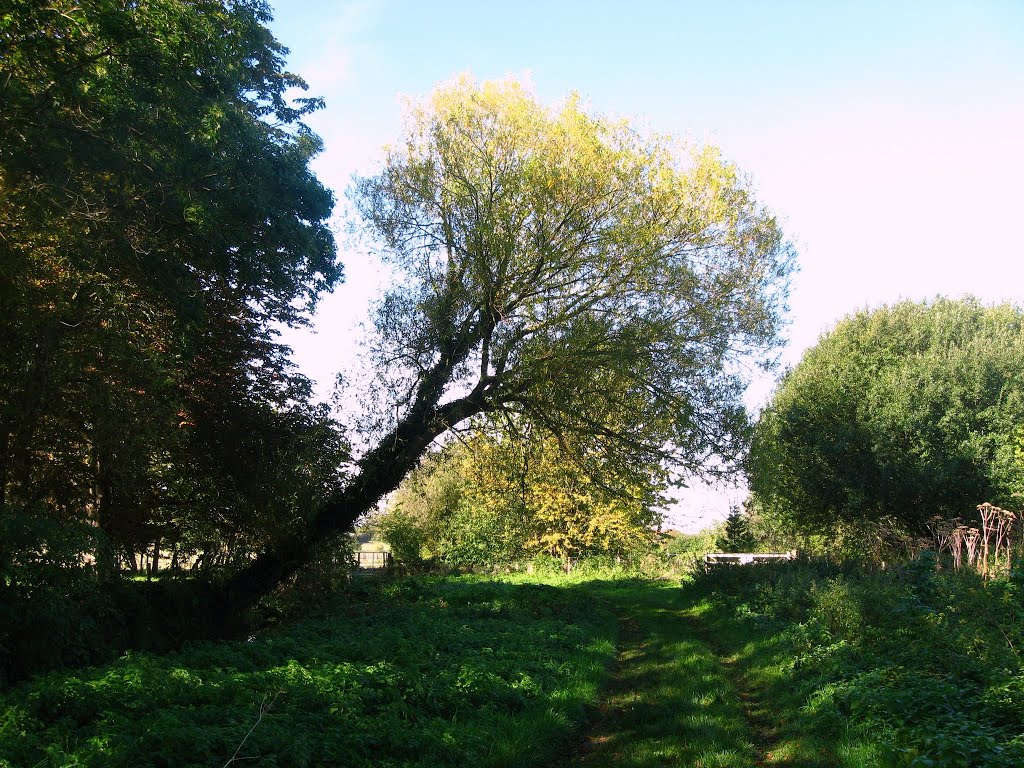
[158,220]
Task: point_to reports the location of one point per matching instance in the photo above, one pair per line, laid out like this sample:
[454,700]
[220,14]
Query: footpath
[672,699]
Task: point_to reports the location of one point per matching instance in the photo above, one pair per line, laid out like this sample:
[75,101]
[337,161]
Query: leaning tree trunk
[380,472]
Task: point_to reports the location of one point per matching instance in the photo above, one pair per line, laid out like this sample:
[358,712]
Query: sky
[887,136]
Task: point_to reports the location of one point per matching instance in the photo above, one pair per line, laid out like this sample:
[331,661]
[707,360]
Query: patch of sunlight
[858,755]
[706,699]
[716,722]
[723,758]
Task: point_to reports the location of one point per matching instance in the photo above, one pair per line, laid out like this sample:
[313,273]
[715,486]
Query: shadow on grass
[759,659]
[414,673]
[423,672]
[672,699]
[669,701]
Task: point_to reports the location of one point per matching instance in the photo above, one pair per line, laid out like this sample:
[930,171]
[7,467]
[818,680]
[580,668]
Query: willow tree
[560,267]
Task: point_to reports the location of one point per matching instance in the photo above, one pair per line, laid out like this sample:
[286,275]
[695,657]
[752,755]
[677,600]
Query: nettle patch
[422,673]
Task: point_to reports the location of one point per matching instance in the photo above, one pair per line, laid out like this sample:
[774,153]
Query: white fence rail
[365,560]
[743,558]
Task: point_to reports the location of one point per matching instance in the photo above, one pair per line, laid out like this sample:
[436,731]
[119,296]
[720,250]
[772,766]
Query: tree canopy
[905,413]
[571,270]
[560,268]
[158,219]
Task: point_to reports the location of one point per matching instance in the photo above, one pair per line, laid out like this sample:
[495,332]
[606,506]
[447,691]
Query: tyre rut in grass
[670,701]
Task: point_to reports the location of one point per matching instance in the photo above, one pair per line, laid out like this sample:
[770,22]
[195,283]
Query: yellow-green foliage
[498,498]
[568,512]
[568,271]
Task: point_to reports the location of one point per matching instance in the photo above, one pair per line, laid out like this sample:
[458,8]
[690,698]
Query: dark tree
[737,536]
[158,218]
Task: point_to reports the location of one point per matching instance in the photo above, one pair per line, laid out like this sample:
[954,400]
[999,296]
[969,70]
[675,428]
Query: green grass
[410,673]
[761,661]
[804,665]
[419,672]
[856,667]
[671,701]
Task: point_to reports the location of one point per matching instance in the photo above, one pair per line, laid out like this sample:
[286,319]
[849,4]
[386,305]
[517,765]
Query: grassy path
[677,696]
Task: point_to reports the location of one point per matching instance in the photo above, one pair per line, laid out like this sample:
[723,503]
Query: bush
[404,534]
[56,610]
[897,415]
[52,610]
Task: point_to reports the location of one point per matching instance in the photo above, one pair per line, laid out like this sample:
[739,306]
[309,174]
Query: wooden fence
[372,560]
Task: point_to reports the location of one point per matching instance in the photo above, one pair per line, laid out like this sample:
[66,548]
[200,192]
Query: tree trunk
[20,431]
[103,499]
[156,556]
[380,472]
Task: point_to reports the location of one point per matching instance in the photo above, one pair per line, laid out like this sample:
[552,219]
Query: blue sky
[888,136]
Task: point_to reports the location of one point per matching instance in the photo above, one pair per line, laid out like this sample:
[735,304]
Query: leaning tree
[559,267]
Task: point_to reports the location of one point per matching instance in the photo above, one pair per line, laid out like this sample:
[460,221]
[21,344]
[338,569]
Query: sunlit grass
[670,701]
[845,665]
[762,665]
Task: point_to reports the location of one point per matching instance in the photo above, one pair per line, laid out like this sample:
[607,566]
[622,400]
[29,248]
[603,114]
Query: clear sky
[888,136]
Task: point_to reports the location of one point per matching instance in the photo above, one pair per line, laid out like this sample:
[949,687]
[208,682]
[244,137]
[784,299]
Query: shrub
[52,610]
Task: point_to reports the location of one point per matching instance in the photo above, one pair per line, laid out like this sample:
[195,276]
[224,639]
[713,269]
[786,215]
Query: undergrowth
[411,672]
[904,667]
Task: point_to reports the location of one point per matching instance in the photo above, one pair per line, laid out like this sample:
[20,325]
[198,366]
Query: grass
[416,672]
[799,664]
[761,661]
[671,701]
[861,668]
[408,673]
